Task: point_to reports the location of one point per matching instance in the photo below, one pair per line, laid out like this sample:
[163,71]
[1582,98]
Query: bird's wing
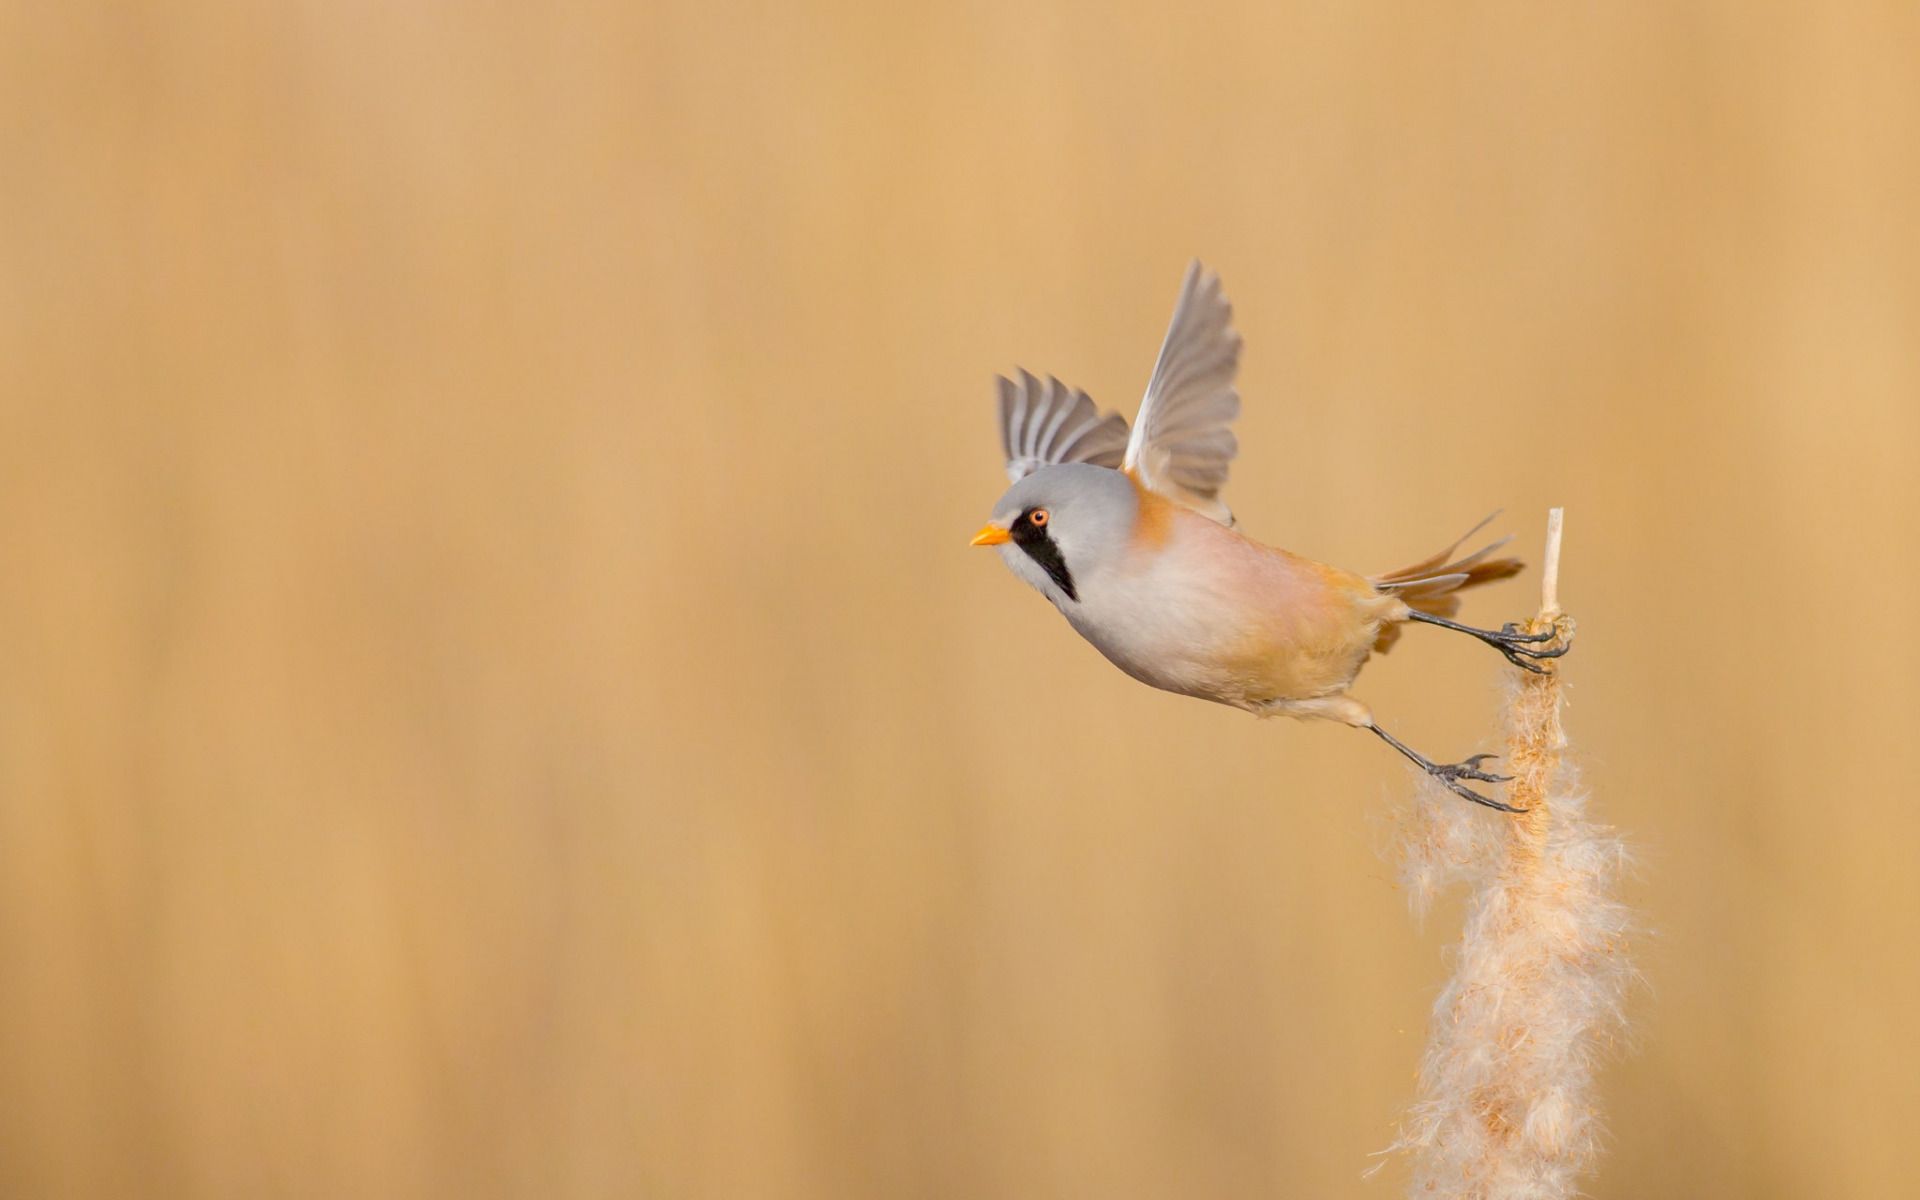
[1046,423]
[1181,446]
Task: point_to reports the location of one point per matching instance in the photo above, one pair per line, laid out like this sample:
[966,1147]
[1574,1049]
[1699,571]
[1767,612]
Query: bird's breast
[1209,613]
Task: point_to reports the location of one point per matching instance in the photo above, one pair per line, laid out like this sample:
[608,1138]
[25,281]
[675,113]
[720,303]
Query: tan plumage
[1145,563]
[1433,585]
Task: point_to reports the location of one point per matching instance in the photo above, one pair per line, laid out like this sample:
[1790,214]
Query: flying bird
[1124,531]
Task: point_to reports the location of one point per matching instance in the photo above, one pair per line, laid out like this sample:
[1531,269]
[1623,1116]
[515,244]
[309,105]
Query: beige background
[495,698]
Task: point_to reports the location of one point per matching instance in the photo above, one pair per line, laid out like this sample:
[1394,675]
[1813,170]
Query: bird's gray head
[1063,525]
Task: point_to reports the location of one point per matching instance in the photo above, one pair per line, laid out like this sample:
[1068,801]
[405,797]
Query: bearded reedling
[1126,534]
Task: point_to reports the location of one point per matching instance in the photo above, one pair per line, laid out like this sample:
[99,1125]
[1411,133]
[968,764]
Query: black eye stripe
[1041,548]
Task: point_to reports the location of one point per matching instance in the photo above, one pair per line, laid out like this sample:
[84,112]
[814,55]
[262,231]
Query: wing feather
[1043,423]
[1182,446]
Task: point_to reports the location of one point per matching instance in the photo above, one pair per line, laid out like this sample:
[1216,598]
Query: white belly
[1231,622]
[1165,627]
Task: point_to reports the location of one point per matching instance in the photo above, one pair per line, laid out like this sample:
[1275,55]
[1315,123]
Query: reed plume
[1506,1109]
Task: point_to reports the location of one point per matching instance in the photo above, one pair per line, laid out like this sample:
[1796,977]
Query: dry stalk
[1506,1108]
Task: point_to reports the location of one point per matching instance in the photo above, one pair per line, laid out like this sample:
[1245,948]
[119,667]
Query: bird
[1124,531]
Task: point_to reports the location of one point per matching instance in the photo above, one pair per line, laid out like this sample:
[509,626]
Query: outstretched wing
[1046,423]
[1181,445]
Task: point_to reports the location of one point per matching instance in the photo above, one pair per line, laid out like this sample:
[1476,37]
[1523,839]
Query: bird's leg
[1510,640]
[1450,774]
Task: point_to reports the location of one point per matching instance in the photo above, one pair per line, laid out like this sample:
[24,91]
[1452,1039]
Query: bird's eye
[1037,518]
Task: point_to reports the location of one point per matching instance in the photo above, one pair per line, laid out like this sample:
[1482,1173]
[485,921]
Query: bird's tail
[1433,585]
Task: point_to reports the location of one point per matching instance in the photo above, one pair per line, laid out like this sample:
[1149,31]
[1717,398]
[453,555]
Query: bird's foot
[1470,769]
[1517,632]
[1521,648]
[1514,643]
[1450,775]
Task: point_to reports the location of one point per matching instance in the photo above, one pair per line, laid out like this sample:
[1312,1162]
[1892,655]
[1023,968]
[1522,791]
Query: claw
[1450,774]
[1514,658]
[1530,652]
[1470,769]
[1513,631]
[1523,656]
[1467,793]
[1512,641]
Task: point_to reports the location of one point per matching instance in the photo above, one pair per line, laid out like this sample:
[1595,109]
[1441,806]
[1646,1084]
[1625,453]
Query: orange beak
[991,535]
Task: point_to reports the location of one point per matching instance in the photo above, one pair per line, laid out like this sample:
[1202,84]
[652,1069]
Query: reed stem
[1506,1108]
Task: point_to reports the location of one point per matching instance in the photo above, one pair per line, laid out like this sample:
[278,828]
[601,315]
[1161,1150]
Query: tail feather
[1433,585]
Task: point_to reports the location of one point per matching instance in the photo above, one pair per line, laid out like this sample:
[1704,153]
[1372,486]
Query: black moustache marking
[1040,547]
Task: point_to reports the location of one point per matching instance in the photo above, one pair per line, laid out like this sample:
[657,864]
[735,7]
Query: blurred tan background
[495,698]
